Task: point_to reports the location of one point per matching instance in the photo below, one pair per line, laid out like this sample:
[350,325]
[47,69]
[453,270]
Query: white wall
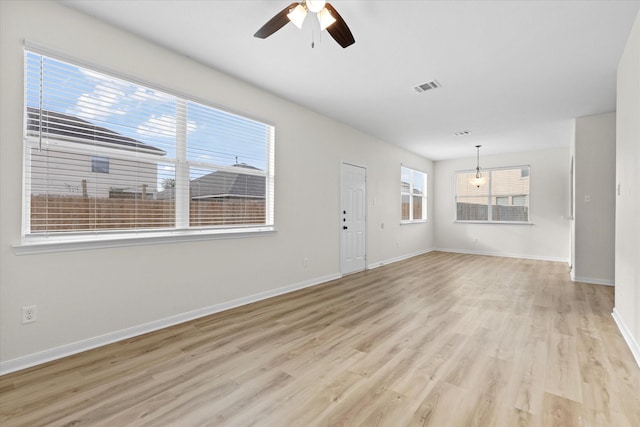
[594,220]
[86,298]
[548,237]
[627,245]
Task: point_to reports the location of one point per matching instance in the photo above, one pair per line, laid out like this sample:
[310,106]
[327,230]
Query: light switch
[587,198]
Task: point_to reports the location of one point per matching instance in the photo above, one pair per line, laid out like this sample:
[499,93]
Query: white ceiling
[514,73]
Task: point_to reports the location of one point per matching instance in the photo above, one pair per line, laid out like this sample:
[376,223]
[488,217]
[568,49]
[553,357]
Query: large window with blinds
[106,155]
[503,197]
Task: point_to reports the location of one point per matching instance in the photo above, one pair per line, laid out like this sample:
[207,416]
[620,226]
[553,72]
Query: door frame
[366,217]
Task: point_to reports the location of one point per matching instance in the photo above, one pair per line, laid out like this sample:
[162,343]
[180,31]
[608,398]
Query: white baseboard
[28,361]
[503,254]
[396,259]
[628,337]
[592,280]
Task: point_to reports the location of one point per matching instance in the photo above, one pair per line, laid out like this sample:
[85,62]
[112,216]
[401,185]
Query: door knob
[344,227]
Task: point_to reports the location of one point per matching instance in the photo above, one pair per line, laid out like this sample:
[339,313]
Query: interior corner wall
[549,235]
[87,297]
[627,244]
[594,206]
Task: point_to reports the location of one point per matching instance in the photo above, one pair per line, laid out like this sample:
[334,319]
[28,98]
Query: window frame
[94,239]
[424,196]
[486,172]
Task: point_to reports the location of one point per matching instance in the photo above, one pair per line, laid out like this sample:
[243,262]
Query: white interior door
[353,218]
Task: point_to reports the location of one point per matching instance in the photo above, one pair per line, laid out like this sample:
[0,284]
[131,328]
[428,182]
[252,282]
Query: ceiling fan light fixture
[296,12]
[325,18]
[315,6]
[297,15]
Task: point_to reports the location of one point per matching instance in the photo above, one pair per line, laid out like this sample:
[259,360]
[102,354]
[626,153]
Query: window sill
[495,222]
[46,244]
[422,221]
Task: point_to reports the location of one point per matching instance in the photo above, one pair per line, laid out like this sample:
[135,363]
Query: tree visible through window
[504,197]
[107,154]
[413,194]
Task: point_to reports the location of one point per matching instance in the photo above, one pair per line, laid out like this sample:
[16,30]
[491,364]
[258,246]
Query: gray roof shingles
[66,125]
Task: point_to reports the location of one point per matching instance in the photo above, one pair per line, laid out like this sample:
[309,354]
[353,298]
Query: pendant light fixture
[479,179]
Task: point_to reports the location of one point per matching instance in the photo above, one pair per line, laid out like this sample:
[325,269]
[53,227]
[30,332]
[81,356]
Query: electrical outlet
[29,313]
[305,262]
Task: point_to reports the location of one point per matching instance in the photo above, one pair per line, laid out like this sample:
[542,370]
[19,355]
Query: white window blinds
[103,154]
[504,196]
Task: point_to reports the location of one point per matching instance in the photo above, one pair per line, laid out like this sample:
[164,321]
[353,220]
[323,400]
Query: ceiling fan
[328,17]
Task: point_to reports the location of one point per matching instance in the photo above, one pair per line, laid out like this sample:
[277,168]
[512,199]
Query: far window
[503,197]
[519,200]
[413,194]
[99,164]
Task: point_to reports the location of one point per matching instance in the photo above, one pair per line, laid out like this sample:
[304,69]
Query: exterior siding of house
[57,172]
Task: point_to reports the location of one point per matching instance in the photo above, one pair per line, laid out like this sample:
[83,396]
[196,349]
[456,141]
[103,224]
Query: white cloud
[163,126]
[100,104]
[95,75]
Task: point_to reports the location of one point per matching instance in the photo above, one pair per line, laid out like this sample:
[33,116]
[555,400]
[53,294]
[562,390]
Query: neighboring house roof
[66,125]
[224,184]
[228,184]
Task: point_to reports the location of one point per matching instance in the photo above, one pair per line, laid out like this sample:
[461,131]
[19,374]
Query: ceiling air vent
[433,84]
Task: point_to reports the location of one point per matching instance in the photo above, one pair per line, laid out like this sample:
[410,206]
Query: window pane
[510,184]
[405,180]
[414,194]
[507,190]
[405,207]
[417,208]
[471,201]
[418,183]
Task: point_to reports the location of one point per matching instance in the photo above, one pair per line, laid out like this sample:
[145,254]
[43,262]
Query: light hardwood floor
[438,340]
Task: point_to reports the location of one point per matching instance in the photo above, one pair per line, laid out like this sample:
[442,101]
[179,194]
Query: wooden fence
[479,212]
[63,213]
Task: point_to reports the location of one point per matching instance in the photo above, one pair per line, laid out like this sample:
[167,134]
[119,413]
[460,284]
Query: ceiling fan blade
[339,29]
[275,23]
